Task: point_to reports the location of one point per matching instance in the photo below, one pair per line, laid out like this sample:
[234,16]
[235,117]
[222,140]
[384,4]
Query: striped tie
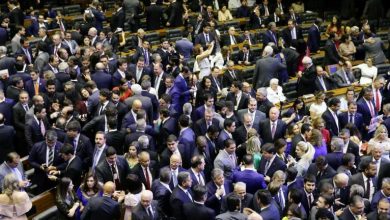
[51,157]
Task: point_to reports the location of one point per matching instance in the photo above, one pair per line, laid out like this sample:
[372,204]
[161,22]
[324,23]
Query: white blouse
[275,96]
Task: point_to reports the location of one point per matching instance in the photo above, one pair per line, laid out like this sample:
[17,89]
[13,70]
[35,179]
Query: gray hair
[356,190]
[99,66]
[3,50]
[136,88]
[182,176]
[143,141]
[307,60]
[215,173]
[10,184]
[262,91]
[165,175]
[146,84]
[240,184]
[51,135]
[187,108]
[268,51]
[63,66]
[141,125]
[337,144]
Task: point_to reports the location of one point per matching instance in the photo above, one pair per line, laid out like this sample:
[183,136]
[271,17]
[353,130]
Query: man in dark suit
[341,189]
[154,15]
[323,81]
[271,162]
[73,169]
[270,35]
[19,111]
[267,68]
[230,75]
[205,38]
[330,117]
[196,171]
[114,169]
[159,79]
[350,146]
[115,137]
[144,52]
[321,169]
[7,134]
[104,102]
[273,128]
[36,85]
[331,54]
[335,158]
[268,209]
[120,73]
[147,209]
[175,14]
[103,206]
[200,126]
[15,15]
[366,178]
[314,36]
[57,44]
[26,51]
[381,161]
[237,97]
[181,195]
[253,180]
[308,196]
[241,133]
[173,147]
[180,92]
[81,143]
[216,189]
[139,70]
[245,56]
[292,32]
[366,107]
[240,191]
[291,55]
[351,116]
[162,192]
[37,126]
[356,208]
[118,18]
[145,169]
[45,157]
[7,62]
[230,38]
[197,210]
[306,78]
[101,78]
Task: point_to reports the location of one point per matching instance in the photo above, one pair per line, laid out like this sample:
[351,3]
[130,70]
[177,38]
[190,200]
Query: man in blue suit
[208,104]
[196,171]
[273,128]
[36,127]
[206,37]
[186,134]
[181,194]
[103,207]
[270,35]
[270,163]
[351,116]
[253,180]
[180,92]
[97,14]
[162,191]
[184,47]
[314,36]
[101,78]
[335,157]
[197,210]
[216,189]
[201,126]
[366,107]
[44,157]
[330,117]
[268,209]
[36,85]
[229,127]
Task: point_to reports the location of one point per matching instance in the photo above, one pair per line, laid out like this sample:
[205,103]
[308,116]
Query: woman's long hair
[10,184]
[84,186]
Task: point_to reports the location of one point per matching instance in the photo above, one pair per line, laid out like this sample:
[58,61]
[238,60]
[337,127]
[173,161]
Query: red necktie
[147,178]
[377,101]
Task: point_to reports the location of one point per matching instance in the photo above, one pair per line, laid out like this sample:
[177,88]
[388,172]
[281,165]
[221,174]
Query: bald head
[100,66]
[147,194]
[255,216]
[175,161]
[137,105]
[109,188]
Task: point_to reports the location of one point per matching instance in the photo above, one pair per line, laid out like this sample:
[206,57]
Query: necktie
[377,101]
[293,34]
[150,212]
[207,38]
[273,36]
[336,120]
[233,159]
[249,40]
[36,87]
[25,107]
[174,178]
[273,129]
[281,199]
[371,107]
[101,109]
[233,75]
[55,51]
[27,55]
[233,40]
[51,157]
[95,159]
[310,200]
[319,175]
[368,189]
[146,54]
[147,179]
[200,180]
[115,176]
[75,144]
[346,78]
[42,126]
[266,167]
[351,118]
[322,82]
[189,195]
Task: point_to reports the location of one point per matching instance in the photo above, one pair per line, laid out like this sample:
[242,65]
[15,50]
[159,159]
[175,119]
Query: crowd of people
[175,131]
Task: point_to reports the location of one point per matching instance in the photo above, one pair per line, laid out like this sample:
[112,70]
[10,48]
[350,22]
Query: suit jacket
[266,133]
[20,51]
[344,119]
[330,123]
[223,135]
[212,201]
[343,192]
[194,177]
[180,94]
[241,57]
[184,151]
[328,173]
[226,164]
[226,40]
[327,81]
[259,116]
[147,105]
[231,215]
[287,37]
[340,79]
[8,63]
[277,164]
[314,39]
[228,78]
[102,80]
[33,131]
[162,194]
[177,200]
[101,207]
[247,202]
[256,22]
[104,173]
[140,213]
[155,104]
[154,15]
[37,157]
[175,12]
[5,169]
[62,45]
[292,58]
[266,69]
[200,126]
[29,87]
[268,37]
[271,212]
[254,181]
[7,134]
[331,54]
[334,159]
[73,170]
[187,137]
[363,109]
[346,215]
[129,138]
[116,139]
[195,211]
[84,149]
[240,136]
[117,20]
[139,171]
[184,47]
[201,39]
[375,50]
[166,128]
[99,111]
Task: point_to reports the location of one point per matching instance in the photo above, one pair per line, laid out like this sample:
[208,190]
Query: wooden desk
[42,202]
